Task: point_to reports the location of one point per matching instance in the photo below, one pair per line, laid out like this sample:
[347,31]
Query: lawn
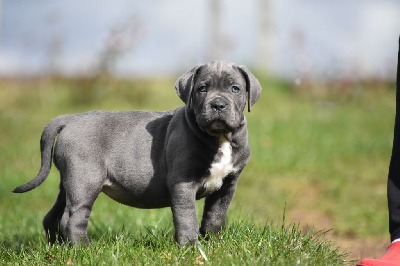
[319,158]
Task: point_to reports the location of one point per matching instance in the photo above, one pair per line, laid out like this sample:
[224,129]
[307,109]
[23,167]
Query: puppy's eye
[235,89]
[202,89]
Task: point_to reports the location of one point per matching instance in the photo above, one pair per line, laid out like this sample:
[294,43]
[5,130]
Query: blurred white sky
[326,39]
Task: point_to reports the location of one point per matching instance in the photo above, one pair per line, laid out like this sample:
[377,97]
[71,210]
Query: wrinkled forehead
[220,73]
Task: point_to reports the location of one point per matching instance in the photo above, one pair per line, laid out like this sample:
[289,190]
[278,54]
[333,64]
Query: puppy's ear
[253,86]
[184,85]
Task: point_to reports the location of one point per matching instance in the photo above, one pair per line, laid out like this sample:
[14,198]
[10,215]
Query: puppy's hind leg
[81,193]
[51,221]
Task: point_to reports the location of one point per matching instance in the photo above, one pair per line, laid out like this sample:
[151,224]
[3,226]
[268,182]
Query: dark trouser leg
[394,168]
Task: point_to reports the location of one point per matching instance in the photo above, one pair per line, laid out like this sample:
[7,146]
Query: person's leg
[394,169]
[392,254]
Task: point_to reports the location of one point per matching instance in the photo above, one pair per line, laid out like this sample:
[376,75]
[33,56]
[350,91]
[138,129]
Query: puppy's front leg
[216,207]
[183,205]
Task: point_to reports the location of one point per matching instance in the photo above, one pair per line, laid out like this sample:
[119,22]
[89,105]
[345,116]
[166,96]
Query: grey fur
[149,159]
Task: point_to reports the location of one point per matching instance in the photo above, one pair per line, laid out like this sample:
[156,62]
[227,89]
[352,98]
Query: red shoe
[390,258]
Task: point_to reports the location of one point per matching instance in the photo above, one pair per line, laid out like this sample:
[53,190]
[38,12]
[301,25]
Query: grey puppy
[149,159]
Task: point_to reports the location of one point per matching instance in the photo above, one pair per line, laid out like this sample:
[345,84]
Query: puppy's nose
[218,105]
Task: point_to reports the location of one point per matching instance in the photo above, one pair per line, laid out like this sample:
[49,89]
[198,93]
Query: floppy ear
[184,85]
[253,86]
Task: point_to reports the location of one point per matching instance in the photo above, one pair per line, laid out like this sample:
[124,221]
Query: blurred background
[321,133]
[330,39]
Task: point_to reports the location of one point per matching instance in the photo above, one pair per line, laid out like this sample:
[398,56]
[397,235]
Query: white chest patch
[220,168]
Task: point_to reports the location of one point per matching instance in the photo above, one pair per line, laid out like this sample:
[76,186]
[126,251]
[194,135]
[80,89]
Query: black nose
[218,105]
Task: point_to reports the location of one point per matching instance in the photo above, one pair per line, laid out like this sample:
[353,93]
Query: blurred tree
[267,40]
[215,42]
[119,41]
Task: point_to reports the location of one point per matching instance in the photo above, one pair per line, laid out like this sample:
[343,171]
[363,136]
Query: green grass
[323,156]
[241,243]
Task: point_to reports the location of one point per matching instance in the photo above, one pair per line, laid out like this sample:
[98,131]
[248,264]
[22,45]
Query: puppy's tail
[49,135]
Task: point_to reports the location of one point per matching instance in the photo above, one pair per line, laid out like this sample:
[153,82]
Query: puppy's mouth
[217,123]
[218,127]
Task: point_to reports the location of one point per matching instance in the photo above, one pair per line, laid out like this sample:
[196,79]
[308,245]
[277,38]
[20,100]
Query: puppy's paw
[186,241]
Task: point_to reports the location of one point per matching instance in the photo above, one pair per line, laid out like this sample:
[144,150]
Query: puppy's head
[217,93]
